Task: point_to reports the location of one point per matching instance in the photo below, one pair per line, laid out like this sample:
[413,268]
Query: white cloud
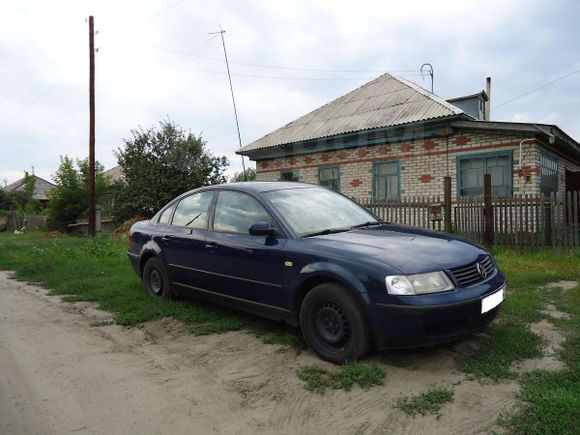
[43,76]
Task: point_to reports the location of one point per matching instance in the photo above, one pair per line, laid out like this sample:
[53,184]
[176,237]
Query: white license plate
[492,301]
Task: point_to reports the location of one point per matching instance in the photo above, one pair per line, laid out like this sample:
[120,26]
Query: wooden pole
[488,235]
[447,203]
[92,199]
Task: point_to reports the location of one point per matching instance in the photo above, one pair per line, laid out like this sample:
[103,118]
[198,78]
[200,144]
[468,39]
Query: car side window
[166,215]
[192,211]
[236,211]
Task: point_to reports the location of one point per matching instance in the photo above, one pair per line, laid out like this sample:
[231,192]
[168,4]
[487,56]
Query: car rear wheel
[333,324]
[155,279]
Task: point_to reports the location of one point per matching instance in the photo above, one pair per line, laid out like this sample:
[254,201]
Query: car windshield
[310,211]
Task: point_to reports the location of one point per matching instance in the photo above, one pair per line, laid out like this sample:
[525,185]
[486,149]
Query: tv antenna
[427,68]
[221,33]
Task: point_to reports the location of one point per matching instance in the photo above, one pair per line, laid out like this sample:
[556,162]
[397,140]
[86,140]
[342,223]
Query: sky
[157,61]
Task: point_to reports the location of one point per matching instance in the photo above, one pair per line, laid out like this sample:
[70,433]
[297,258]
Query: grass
[510,340]
[97,270]
[550,401]
[317,380]
[429,402]
[503,345]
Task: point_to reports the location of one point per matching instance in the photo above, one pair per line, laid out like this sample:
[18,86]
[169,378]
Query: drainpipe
[488,102]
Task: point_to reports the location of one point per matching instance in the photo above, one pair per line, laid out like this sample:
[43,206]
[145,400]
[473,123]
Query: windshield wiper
[368,224]
[326,231]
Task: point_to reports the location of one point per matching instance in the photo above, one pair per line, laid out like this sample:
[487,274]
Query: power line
[162,11]
[537,89]
[282,67]
[264,76]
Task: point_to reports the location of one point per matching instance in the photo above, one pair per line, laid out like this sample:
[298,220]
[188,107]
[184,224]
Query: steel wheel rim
[155,282]
[331,324]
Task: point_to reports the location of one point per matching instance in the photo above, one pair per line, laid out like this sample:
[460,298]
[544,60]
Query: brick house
[390,138]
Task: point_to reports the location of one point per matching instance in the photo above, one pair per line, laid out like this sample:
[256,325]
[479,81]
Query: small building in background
[42,188]
[115,173]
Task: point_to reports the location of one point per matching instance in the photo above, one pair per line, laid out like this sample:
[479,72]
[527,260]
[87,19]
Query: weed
[317,379]
[429,402]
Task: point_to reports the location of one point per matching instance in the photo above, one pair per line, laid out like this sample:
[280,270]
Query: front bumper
[398,325]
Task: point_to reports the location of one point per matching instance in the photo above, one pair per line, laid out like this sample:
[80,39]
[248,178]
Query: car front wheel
[333,324]
[155,279]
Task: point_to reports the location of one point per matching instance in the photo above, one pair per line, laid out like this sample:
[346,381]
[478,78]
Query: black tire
[334,325]
[155,279]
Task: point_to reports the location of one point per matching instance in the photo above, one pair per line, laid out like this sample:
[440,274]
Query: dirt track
[59,374]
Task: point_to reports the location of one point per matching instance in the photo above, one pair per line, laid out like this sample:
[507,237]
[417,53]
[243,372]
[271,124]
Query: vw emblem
[481,270]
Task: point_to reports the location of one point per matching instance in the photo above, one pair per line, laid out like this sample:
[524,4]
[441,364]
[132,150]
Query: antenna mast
[221,33]
[429,70]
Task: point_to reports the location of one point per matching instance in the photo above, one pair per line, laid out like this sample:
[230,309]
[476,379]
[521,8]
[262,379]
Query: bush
[160,164]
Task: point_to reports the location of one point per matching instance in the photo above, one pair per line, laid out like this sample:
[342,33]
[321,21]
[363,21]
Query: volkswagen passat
[313,258]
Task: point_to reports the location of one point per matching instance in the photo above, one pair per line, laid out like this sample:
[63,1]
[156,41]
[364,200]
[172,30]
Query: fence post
[447,204]
[547,221]
[488,235]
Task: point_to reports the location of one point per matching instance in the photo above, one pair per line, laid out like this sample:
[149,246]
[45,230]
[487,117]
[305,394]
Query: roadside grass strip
[428,402]
[317,379]
[97,270]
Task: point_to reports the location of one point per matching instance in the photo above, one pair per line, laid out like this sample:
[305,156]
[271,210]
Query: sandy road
[59,375]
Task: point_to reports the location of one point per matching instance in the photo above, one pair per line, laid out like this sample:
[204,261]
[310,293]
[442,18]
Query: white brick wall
[423,163]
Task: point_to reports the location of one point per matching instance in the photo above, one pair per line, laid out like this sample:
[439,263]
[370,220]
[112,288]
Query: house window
[289,176]
[329,177]
[386,181]
[470,172]
[549,174]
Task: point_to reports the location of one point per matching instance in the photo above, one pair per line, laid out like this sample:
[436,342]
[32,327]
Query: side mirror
[262,228]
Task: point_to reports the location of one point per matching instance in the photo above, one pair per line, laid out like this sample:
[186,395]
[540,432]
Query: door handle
[211,245]
[166,237]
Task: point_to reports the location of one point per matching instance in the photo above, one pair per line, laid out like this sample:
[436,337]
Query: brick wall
[423,164]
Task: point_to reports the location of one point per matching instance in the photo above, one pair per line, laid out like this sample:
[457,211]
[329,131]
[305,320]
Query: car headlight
[419,284]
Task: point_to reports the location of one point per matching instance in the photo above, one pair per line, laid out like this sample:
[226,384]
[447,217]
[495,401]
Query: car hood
[409,250]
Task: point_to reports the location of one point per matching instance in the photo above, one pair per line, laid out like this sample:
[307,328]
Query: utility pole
[92,200]
[221,33]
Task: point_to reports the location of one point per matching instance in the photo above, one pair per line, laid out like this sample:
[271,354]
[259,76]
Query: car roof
[262,186]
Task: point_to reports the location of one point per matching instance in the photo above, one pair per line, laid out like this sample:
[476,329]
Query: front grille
[468,275]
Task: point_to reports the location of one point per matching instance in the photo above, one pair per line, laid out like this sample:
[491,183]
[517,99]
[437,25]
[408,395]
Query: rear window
[192,210]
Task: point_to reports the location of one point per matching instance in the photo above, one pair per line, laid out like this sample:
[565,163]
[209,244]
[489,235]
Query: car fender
[151,248]
[333,271]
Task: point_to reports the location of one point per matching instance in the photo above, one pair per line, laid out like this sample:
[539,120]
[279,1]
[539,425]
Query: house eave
[404,132]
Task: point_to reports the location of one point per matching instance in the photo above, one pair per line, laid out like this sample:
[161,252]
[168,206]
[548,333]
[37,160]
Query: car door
[183,241]
[245,266]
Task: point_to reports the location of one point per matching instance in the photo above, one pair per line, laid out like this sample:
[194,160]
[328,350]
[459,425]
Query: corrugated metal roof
[41,188]
[387,101]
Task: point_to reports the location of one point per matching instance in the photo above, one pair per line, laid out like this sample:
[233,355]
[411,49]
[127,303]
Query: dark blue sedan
[313,258]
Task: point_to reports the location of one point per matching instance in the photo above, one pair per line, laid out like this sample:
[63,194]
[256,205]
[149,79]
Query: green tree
[69,201]
[239,176]
[158,165]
